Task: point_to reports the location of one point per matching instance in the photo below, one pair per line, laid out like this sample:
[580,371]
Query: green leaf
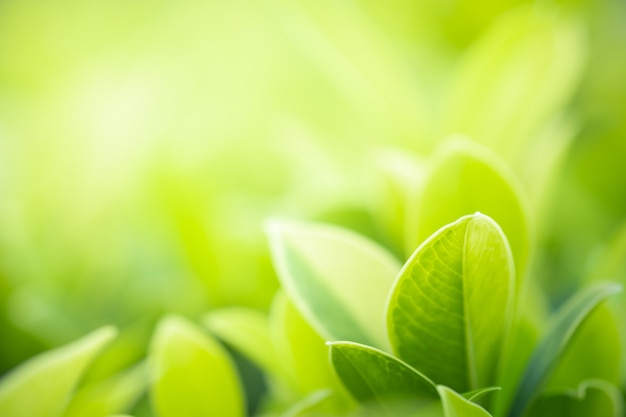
[562,328]
[465,178]
[113,395]
[376,378]
[516,77]
[451,305]
[592,398]
[338,279]
[42,386]
[192,374]
[455,405]
[246,330]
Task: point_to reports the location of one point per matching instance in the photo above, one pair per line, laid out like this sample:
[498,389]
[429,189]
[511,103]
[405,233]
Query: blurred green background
[144,143]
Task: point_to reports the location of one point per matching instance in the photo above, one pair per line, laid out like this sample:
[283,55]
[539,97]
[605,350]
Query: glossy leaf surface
[376,378]
[450,307]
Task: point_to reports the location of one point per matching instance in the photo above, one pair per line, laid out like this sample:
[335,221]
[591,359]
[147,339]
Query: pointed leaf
[41,386]
[455,405]
[562,328]
[450,307]
[466,178]
[338,279]
[377,378]
[192,374]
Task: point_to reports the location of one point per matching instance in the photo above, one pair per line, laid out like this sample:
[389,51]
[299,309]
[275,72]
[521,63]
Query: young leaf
[192,374]
[41,387]
[376,378]
[115,394]
[466,178]
[560,331]
[338,280]
[456,405]
[450,307]
[592,398]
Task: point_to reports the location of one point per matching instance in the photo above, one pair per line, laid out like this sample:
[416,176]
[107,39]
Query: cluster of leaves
[366,324]
[455,331]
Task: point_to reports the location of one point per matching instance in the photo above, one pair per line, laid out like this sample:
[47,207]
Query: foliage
[444,236]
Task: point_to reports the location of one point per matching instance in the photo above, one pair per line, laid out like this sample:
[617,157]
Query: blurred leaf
[522,339]
[247,331]
[50,377]
[451,306]
[192,374]
[465,178]
[516,77]
[338,279]
[300,350]
[547,152]
[546,355]
[308,404]
[593,353]
[115,394]
[128,348]
[376,378]
[398,177]
[455,405]
[612,266]
[592,398]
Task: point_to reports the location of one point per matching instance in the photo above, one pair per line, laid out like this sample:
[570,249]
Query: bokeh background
[144,143]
